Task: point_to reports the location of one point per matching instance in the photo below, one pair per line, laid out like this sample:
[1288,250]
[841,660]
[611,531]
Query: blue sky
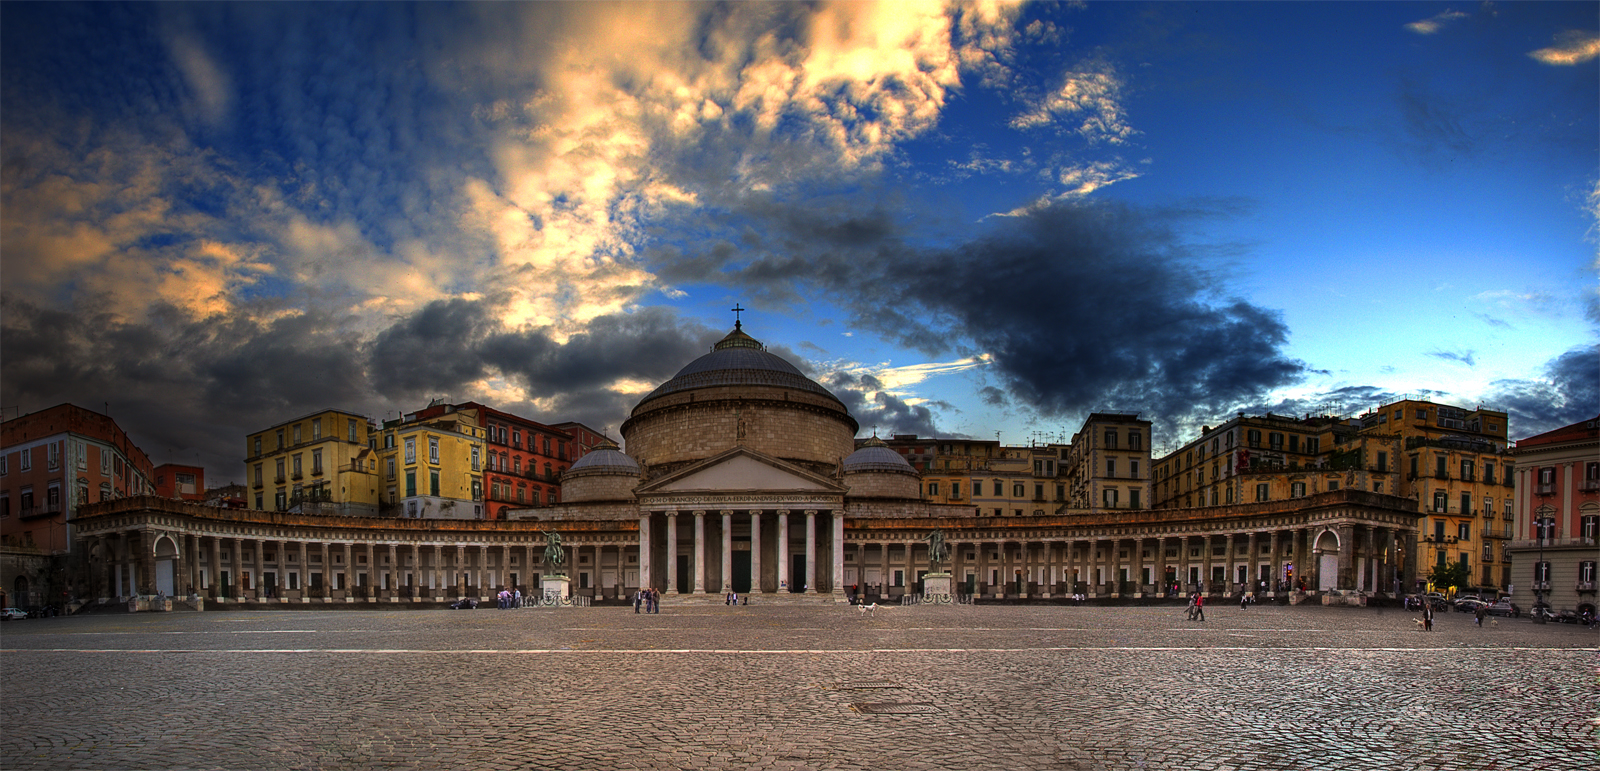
[963,218]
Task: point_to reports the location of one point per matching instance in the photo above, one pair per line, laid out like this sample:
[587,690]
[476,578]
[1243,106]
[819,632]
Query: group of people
[1197,607]
[649,599]
[733,599]
[509,599]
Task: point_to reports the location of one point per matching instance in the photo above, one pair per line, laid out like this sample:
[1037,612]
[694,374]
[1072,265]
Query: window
[933,488]
[1297,489]
[477,459]
[1544,528]
[1134,471]
[1275,439]
[1466,470]
[1586,572]
[433,482]
[280,478]
[297,433]
[1111,467]
[104,460]
[1541,572]
[1488,473]
[1253,438]
[411,450]
[1413,467]
[390,463]
[1311,445]
[1383,461]
[1111,439]
[297,470]
[1134,441]
[1589,527]
[1262,493]
[25,459]
[516,439]
[1294,443]
[316,461]
[1466,504]
[1133,497]
[316,429]
[1399,414]
[955,489]
[1110,496]
[1464,531]
[1038,492]
[1333,484]
[1422,414]
[999,489]
[433,449]
[1439,468]
[411,483]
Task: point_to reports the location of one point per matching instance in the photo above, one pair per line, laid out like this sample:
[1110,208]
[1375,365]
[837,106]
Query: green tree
[1450,574]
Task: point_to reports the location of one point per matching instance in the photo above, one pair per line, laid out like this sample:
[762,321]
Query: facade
[1557,510]
[1255,459]
[55,460]
[1457,466]
[175,480]
[322,463]
[1109,463]
[431,464]
[742,474]
[525,460]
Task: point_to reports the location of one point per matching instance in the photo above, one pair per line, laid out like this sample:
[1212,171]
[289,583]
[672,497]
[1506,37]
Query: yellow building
[431,464]
[1457,466]
[1108,464]
[322,463]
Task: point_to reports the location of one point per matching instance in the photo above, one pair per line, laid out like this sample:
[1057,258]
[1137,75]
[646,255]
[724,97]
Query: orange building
[57,459]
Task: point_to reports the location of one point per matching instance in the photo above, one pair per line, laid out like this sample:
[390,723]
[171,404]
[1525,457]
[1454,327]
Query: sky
[967,220]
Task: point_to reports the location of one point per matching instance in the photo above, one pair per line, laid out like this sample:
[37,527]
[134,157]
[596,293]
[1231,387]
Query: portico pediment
[741,470]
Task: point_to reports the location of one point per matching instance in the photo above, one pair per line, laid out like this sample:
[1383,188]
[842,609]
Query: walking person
[1427,616]
[1189,611]
[1200,607]
[655,600]
[638,599]
[1479,614]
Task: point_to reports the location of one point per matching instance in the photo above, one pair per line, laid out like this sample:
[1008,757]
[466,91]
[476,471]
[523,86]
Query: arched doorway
[1327,550]
[166,565]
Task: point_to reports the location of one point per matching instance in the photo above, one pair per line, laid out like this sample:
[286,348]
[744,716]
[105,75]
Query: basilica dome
[604,473]
[877,471]
[740,395]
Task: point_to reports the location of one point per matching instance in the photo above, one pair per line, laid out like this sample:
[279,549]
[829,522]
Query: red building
[185,483]
[57,459]
[1557,545]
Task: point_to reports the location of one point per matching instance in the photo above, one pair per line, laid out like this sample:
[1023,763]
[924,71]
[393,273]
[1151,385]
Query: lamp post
[1541,573]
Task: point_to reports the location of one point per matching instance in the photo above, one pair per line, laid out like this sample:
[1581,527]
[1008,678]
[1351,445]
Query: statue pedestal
[559,587]
[936,587]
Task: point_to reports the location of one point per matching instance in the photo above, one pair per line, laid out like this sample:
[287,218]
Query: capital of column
[783,512]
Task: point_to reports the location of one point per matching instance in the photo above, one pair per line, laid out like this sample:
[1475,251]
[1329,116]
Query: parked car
[465,603]
[1542,613]
[1469,605]
[10,614]
[1567,616]
[1504,608]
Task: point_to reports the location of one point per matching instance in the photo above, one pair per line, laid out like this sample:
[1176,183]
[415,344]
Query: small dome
[874,455]
[606,456]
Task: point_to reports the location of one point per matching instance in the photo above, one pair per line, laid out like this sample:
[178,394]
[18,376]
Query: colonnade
[678,561]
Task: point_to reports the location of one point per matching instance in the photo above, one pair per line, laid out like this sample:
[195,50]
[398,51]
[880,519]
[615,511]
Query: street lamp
[1541,573]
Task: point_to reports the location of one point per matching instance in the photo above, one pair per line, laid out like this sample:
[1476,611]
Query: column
[838,552]
[911,566]
[1205,563]
[304,571]
[1136,571]
[755,552]
[436,573]
[327,570]
[216,566]
[984,586]
[811,552]
[672,553]
[885,578]
[1275,573]
[783,551]
[1347,554]
[644,550]
[699,552]
[1252,566]
[727,551]
[459,573]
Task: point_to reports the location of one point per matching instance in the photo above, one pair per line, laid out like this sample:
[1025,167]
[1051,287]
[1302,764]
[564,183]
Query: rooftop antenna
[736,311]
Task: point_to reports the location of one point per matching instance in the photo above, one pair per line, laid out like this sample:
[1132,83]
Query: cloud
[1090,96]
[1460,357]
[1568,392]
[1435,23]
[1571,48]
[878,411]
[1147,326]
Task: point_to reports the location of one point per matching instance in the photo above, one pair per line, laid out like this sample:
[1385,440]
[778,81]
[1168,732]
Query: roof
[739,360]
[876,456]
[1582,429]
[606,456]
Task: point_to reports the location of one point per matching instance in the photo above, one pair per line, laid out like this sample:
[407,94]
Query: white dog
[870,608]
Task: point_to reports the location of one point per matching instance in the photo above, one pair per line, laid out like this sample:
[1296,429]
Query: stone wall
[883,484]
[791,425]
[597,485]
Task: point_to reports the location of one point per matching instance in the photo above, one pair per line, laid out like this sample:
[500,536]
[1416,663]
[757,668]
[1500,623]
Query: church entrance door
[741,572]
[685,584]
[797,573]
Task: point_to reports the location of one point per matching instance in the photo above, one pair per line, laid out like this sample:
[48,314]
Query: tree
[1450,575]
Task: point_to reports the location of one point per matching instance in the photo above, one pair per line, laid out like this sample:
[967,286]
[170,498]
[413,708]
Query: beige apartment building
[322,463]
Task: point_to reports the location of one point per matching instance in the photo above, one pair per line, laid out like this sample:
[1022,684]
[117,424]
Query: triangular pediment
[740,470]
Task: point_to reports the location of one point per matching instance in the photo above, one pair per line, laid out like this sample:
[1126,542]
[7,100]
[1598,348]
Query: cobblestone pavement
[776,687]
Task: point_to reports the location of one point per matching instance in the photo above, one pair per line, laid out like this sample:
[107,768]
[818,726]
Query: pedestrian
[1189,611]
[516,598]
[1244,601]
[638,599]
[1200,607]
[1427,616]
[655,600]
[1479,614]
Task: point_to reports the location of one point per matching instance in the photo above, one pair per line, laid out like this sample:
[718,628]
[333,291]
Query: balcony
[297,476]
[281,479]
[1589,485]
[1552,543]
[1584,586]
[1545,489]
[37,512]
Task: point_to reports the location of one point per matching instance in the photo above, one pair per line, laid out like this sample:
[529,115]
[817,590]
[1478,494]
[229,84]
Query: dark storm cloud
[1568,393]
[432,350]
[185,389]
[1082,306]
